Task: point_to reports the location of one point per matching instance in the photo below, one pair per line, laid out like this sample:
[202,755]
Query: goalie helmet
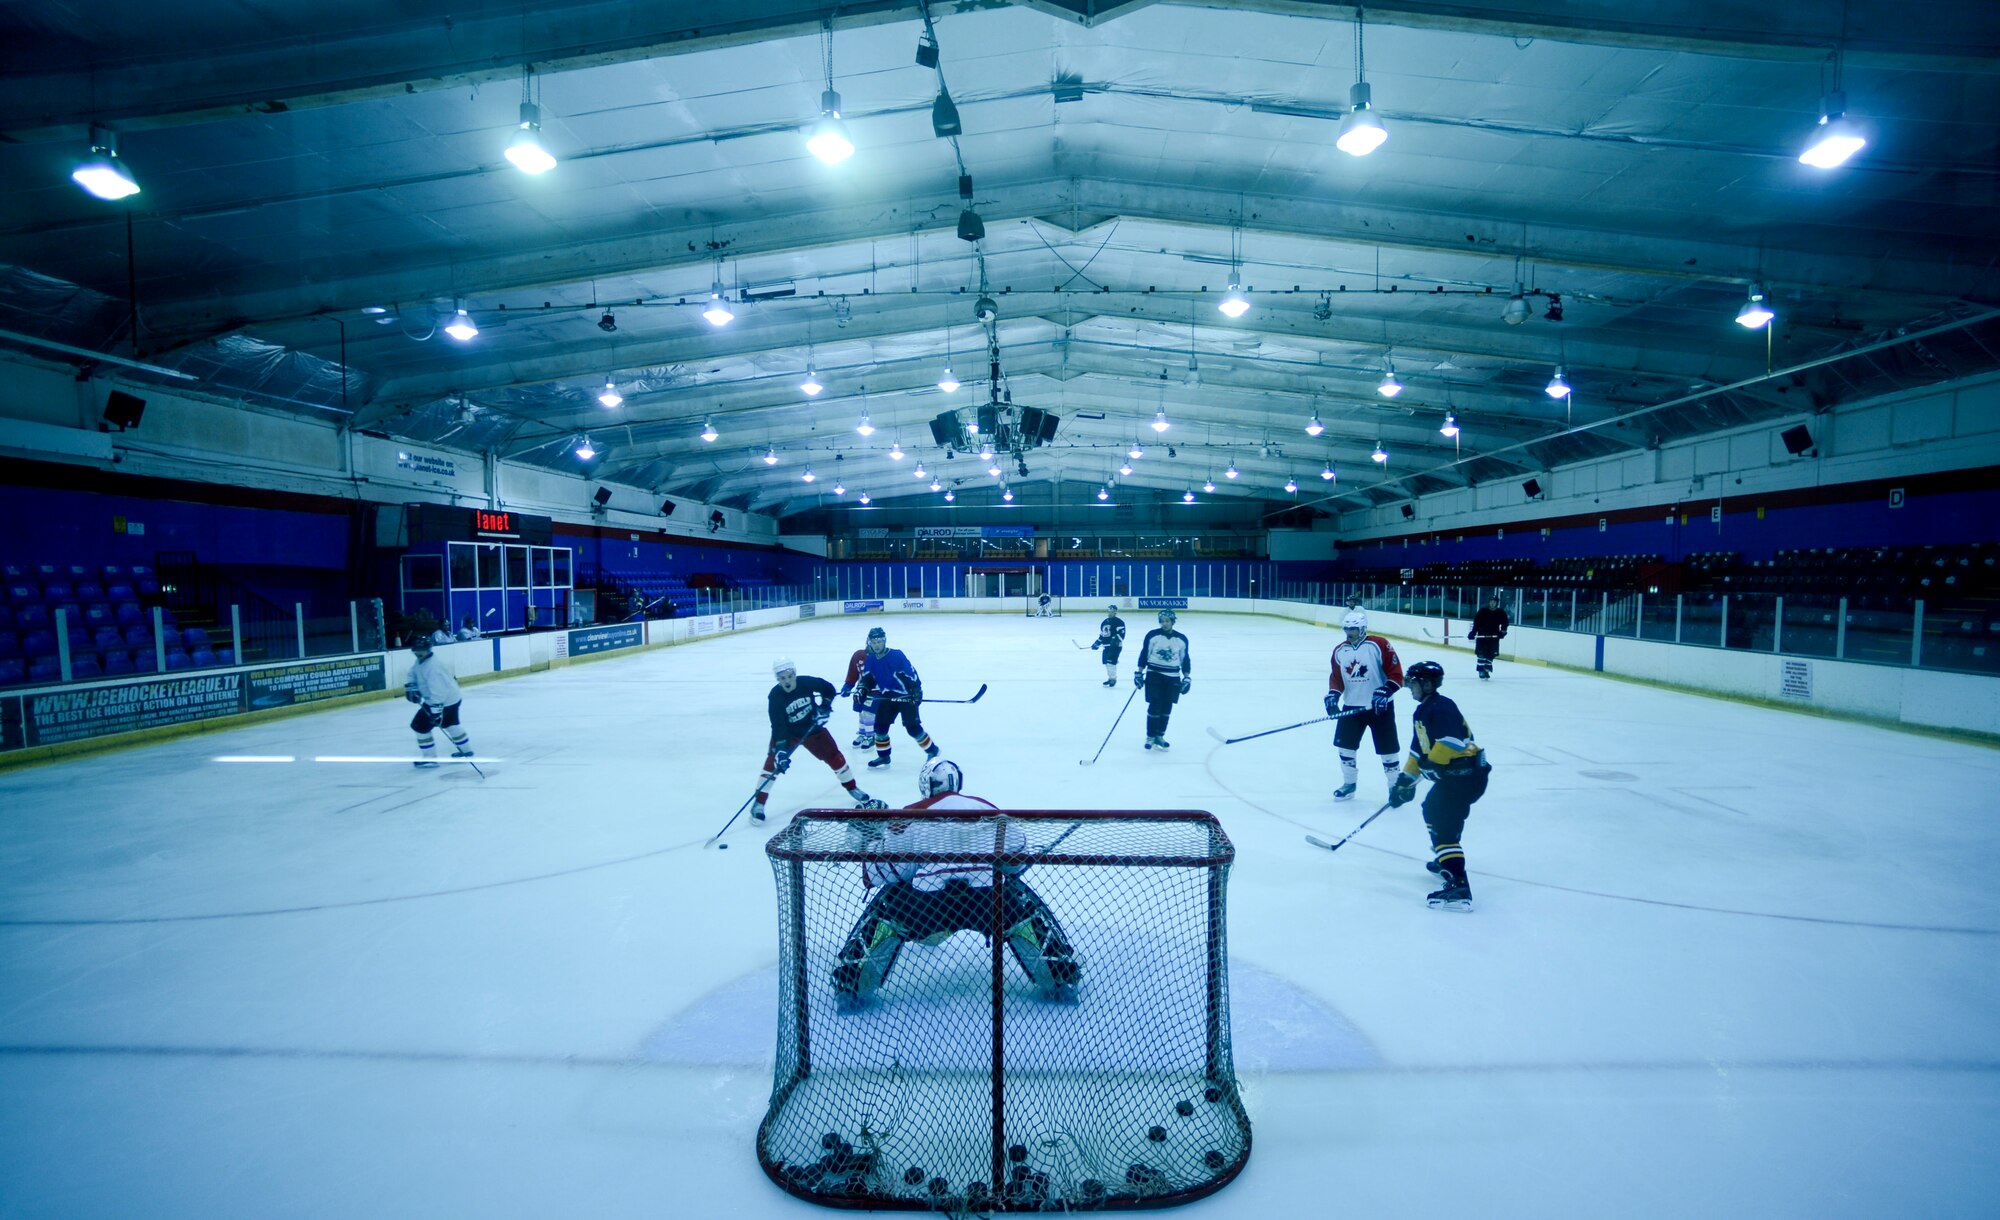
[940,775]
[1168,618]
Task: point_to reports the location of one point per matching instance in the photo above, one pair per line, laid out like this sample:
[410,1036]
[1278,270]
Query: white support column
[299,618]
[1840,633]
[159,642]
[62,642]
[236,634]
[1778,626]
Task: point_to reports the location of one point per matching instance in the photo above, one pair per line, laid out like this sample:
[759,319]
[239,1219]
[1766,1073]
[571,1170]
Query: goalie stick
[1316,841]
[1085,762]
[1342,714]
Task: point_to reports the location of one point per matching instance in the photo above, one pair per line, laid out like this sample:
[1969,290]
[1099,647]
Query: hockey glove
[821,716]
[847,690]
[1139,679]
[411,694]
[916,692]
[1332,703]
[1385,698]
[781,761]
[1185,684]
[1096,644]
[1403,791]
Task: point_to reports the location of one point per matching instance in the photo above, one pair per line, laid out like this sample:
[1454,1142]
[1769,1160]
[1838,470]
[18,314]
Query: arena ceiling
[1630,178]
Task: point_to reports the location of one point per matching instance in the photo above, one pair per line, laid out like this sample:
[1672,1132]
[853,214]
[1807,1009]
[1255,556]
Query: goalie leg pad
[1038,942]
[869,954]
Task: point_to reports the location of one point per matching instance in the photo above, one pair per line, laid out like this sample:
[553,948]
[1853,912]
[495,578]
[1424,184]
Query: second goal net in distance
[1037,607]
[1024,1011]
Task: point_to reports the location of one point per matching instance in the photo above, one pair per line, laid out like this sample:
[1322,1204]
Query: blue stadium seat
[120,591]
[98,614]
[88,590]
[40,642]
[6,617]
[112,572]
[10,644]
[144,662]
[57,590]
[44,669]
[225,656]
[127,613]
[85,666]
[13,671]
[176,659]
[203,658]
[117,662]
[106,637]
[139,635]
[195,637]
[144,580]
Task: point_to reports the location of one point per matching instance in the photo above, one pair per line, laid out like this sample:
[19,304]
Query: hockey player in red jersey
[928,901]
[864,699]
[1365,674]
[799,709]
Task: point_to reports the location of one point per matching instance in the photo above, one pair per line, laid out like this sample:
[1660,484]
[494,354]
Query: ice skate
[425,762]
[931,750]
[757,814]
[1431,866]
[862,740]
[863,801]
[880,760]
[1111,682]
[1455,896]
[462,752]
[1344,793]
[1161,743]
[1150,739]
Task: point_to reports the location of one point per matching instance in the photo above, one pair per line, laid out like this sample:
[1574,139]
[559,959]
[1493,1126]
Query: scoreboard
[452,523]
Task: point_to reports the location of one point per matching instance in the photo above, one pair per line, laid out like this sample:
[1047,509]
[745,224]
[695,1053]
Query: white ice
[1726,960]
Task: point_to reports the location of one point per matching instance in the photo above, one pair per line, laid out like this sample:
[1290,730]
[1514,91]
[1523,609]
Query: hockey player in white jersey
[1165,674]
[1365,674]
[433,688]
[928,901]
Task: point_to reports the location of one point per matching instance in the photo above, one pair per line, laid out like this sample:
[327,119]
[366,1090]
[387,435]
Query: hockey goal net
[1079,1058]
[1036,609]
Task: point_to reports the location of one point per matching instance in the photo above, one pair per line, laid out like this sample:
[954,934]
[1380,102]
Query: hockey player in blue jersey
[890,675]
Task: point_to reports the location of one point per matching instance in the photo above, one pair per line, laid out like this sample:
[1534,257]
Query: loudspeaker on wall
[667,508]
[1797,440]
[1409,511]
[602,497]
[1533,487]
[122,410]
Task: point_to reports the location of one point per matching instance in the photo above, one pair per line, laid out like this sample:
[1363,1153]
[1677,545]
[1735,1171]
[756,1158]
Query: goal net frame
[1034,605]
[1113,1112]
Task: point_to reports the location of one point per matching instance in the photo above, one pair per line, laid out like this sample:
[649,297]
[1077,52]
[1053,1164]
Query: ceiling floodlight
[718,312]
[1135,452]
[609,395]
[1193,374]
[895,451]
[919,471]
[950,496]
[1104,493]
[864,427]
[1558,387]
[102,173]
[1235,304]
[935,485]
[1314,428]
[944,116]
[994,470]
[839,489]
[1187,497]
[460,327]
[1389,387]
[808,476]
[1327,472]
[1160,423]
[1516,311]
[827,137]
[1361,132]
[1125,468]
[525,150]
[1834,140]
[1450,424]
[1756,311]
[864,497]
[948,383]
[1380,454]
[1006,493]
[770,456]
[1209,486]
[1231,472]
[1291,486]
[986,451]
[811,386]
[608,323]
[708,432]
[585,450]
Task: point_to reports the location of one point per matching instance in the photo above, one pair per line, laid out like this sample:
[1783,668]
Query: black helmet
[1429,671]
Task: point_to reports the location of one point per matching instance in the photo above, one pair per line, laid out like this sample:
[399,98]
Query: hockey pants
[1486,648]
[1446,807]
[1163,690]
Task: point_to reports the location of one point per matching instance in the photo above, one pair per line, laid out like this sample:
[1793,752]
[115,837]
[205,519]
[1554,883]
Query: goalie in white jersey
[927,901]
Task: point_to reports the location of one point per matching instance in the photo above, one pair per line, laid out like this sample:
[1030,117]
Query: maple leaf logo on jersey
[1357,669]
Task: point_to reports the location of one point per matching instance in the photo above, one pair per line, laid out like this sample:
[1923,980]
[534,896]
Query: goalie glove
[1403,791]
[1385,698]
[781,761]
[1185,684]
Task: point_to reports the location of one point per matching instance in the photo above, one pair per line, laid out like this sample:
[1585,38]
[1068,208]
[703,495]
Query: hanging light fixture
[1380,454]
[585,450]
[1135,452]
[1291,486]
[525,150]
[1006,493]
[1327,472]
[808,476]
[1234,304]
[949,497]
[1125,468]
[1160,423]
[919,471]
[1187,497]
[1834,139]
[1208,485]
[1314,427]
[1558,386]
[1516,311]
[102,173]
[895,451]
[839,489]
[827,137]
[935,485]
[609,395]
[947,383]
[1231,472]
[708,432]
[1361,132]
[986,451]
[770,456]
[718,312]
[864,427]
[1103,493]
[1390,387]
[1756,311]
[994,470]
[811,386]
[460,327]
[1450,424]
[1193,375]
[864,498]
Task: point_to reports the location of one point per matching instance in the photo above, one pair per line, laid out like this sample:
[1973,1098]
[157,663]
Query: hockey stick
[1316,841]
[975,697]
[1342,714]
[762,784]
[1085,762]
[1079,645]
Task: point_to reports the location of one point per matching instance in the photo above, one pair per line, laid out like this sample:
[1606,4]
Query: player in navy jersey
[1442,750]
[1110,638]
[1365,674]
[1165,673]
[1489,627]
[799,707]
[898,692]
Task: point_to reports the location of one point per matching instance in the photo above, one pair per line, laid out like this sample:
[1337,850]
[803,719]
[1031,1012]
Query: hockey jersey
[890,672]
[1111,630]
[1441,744]
[433,682]
[938,838]
[1165,651]
[1359,670]
[1490,623]
[794,711]
[864,698]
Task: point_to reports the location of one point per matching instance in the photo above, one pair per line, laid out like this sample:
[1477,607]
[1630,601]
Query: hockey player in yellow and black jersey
[1442,750]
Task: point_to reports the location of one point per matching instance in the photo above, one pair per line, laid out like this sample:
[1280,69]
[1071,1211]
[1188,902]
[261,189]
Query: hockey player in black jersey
[1164,672]
[799,708]
[1442,750]
[1489,627]
[1110,638]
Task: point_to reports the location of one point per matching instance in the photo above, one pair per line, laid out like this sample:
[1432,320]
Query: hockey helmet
[877,636]
[1113,607]
[1168,618]
[421,646]
[783,666]
[940,775]
[1428,672]
[1353,621]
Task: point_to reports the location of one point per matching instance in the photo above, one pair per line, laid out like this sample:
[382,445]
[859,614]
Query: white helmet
[783,666]
[1354,619]
[940,775]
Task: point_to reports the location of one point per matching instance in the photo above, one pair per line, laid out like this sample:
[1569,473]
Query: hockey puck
[913,1175]
[1184,1108]
[1212,1093]
[722,847]
[1213,1159]
[1156,1134]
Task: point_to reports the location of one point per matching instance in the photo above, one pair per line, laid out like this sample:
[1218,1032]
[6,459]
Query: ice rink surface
[1726,961]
